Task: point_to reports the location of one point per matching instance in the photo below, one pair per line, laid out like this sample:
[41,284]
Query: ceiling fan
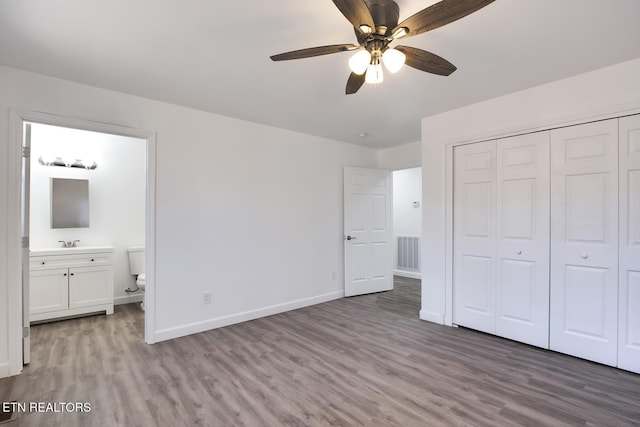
[376,26]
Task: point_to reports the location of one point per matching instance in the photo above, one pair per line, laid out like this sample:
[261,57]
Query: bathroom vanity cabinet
[70,281]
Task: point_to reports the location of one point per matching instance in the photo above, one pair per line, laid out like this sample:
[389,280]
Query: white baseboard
[4,370]
[409,274]
[206,325]
[432,317]
[128,299]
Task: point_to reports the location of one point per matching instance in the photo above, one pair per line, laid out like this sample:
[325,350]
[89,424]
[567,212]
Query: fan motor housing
[385,13]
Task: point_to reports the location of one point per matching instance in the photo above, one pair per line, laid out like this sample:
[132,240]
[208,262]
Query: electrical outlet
[206,298]
[334,274]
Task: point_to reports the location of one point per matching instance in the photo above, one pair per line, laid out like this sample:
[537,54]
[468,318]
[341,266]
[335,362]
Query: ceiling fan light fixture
[400,32]
[359,62]
[375,23]
[394,60]
[374,74]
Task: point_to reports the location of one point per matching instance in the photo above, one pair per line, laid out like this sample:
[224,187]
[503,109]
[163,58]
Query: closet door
[584,241]
[522,299]
[629,306]
[474,236]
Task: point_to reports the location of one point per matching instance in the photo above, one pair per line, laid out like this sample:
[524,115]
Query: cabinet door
[48,290]
[90,286]
[584,241]
[474,236]
[629,324]
[522,270]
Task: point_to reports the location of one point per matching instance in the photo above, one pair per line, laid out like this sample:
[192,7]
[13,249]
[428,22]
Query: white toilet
[136,265]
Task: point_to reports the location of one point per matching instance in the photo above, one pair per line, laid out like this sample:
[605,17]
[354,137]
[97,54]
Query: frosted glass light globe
[359,62]
[393,60]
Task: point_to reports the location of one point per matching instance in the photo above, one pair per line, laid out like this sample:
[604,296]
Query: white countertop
[70,251]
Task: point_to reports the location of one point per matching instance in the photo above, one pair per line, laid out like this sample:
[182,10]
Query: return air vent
[409,253]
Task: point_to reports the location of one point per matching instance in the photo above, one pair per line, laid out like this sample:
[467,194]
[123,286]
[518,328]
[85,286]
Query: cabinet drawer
[84,260]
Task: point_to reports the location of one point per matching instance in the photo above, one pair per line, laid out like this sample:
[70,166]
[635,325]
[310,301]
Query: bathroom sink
[69,251]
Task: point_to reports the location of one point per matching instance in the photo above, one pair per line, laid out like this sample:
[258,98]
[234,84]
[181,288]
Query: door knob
[349,238]
[584,256]
[518,252]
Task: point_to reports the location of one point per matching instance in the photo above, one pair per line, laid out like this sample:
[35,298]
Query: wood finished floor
[364,361]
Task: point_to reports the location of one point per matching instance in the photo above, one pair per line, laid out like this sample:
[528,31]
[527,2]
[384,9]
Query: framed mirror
[69,203]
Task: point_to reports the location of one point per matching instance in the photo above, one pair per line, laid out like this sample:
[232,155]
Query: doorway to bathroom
[113,168]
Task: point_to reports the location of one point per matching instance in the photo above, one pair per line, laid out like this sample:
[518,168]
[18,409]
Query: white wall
[116,193]
[407,219]
[603,93]
[401,157]
[250,213]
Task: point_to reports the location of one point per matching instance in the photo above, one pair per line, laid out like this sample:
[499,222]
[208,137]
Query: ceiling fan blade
[354,83]
[440,14]
[357,12]
[313,51]
[426,61]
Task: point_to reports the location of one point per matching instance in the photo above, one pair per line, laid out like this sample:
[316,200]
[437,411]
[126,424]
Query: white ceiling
[214,56]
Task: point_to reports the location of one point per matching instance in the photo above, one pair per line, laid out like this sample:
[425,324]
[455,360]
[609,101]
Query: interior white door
[24,226]
[474,234]
[584,241]
[368,231]
[629,285]
[522,269]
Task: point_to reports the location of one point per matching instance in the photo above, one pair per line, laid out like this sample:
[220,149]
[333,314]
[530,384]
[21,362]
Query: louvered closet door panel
[629,306]
[584,241]
[522,304]
[474,236]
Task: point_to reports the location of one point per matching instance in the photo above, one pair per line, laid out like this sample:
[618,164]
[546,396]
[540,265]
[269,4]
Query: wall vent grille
[409,253]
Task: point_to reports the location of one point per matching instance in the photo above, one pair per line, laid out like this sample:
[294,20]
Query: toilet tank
[136,259]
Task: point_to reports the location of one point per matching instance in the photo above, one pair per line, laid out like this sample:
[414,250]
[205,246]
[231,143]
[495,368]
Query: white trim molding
[409,274]
[206,325]
[432,317]
[4,370]
[14,244]
[128,299]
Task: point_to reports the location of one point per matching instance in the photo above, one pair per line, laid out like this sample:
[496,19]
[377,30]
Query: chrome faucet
[69,243]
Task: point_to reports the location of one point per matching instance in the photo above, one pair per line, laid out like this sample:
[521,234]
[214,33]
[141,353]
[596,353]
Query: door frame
[394,256]
[14,190]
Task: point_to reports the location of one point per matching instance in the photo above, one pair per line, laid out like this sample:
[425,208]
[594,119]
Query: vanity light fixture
[59,161]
